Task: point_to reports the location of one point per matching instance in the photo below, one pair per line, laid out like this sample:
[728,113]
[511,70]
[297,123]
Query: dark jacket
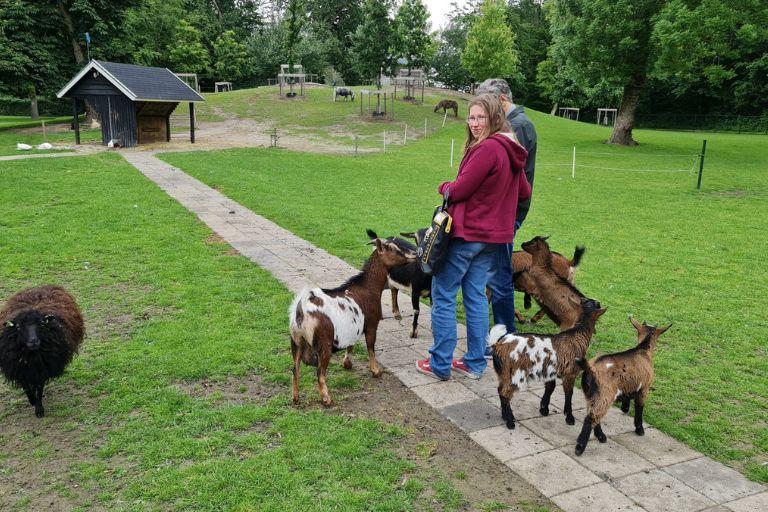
[485,194]
[526,134]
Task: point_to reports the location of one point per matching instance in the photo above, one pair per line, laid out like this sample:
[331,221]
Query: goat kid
[622,376]
[447,105]
[562,266]
[558,298]
[521,358]
[323,321]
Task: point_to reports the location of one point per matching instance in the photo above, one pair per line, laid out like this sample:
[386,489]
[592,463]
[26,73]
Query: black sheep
[42,330]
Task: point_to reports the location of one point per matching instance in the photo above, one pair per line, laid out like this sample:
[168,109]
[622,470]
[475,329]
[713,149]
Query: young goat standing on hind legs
[522,358]
[622,376]
[324,321]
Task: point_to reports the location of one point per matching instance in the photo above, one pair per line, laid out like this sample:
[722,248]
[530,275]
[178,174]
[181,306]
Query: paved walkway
[653,473]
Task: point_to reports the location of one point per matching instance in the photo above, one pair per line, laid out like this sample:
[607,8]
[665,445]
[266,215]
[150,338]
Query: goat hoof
[376,374]
[625,410]
[39,413]
[413,335]
[511,425]
[579,449]
[602,438]
[347,364]
[326,402]
[398,316]
[570,420]
[544,411]
[640,431]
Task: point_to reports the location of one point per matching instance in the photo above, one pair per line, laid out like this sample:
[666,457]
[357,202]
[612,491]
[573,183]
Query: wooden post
[45,135]
[573,164]
[76,121]
[451,153]
[192,122]
[167,128]
[701,163]
[445,116]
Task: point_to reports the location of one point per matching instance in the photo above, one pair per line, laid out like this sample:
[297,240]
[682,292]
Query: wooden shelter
[134,103]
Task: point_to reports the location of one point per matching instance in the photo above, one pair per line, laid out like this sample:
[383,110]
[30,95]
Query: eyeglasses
[478,119]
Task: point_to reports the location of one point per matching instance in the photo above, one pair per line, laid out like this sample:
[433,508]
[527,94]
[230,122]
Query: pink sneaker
[458,366]
[422,366]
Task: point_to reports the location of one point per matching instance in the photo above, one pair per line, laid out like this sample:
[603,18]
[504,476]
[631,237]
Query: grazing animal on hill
[344,93]
[42,330]
[323,321]
[448,105]
[622,376]
[520,358]
[411,280]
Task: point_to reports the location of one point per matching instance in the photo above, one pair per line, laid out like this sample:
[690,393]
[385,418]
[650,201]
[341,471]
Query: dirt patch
[233,390]
[437,447]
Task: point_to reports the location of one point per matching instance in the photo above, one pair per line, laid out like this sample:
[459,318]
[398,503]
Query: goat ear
[410,234]
[635,323]
[379,246]
[662,330]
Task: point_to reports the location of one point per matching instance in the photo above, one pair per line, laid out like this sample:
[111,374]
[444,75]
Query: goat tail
[577,254]
[497,332]
[582,363]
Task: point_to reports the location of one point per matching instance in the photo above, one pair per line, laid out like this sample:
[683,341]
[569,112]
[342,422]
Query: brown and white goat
[521,358]
[323,321]
[560,300]
[622,376]
[562,266]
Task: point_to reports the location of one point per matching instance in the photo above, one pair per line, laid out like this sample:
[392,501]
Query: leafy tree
[372,40]
[606,41]
[187,53]
[531,28]
[231,57]
[149,31]
[713,49]
[490,44]
[330,23]
[412,34]
[30,45]
[451,41]
[294,22]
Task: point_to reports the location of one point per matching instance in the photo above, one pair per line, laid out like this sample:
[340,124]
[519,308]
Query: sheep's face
[30,329]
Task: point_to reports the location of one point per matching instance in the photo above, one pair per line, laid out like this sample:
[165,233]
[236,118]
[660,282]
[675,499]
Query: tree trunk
[625,119]
[33,107]
[90,114]
[554,109]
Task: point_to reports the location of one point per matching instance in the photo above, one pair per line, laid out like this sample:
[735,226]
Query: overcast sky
[438,11]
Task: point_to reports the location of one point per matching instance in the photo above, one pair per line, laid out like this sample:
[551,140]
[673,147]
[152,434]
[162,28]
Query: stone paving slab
[714,480]
[598,497]
[553,472]
[615,476]
[658,491]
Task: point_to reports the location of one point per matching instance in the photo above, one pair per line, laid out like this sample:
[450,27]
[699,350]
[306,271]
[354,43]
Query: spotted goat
[522,358]
[622,376]
[324,321]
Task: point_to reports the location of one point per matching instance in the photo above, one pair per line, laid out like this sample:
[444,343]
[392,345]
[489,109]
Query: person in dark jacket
[500,281]
[483,201]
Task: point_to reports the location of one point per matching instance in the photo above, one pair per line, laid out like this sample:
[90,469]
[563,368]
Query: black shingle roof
[139,83]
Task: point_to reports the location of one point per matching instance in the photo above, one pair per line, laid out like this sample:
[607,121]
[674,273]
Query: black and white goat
[622,376]
[41,330]
[521,358]
[344,92]
[323,321]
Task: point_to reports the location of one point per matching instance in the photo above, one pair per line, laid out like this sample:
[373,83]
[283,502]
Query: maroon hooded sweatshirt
[484,196]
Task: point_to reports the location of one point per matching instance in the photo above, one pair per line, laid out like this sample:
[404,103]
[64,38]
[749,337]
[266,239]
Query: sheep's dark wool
[448,105]
[42,329]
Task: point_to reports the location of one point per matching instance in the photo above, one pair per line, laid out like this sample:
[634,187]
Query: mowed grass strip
[180,397]
[656,248]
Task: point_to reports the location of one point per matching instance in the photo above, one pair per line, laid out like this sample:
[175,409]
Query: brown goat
[323,321]
[448,105]
[562,266]
[41,330]
[520,358]
[559,299]
[621,376]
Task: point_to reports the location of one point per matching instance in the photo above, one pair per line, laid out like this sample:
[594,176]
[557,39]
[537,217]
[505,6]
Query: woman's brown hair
[497,121]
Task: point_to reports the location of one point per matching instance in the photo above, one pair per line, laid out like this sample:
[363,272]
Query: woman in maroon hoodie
[483,201]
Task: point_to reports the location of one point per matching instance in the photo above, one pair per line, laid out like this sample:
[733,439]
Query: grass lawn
[171,316]
[656,248]
[10,134]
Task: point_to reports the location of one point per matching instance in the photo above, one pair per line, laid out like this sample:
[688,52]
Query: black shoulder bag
[433,247]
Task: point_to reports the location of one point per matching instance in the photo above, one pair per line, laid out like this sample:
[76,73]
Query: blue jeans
[467,264]
[501,284]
